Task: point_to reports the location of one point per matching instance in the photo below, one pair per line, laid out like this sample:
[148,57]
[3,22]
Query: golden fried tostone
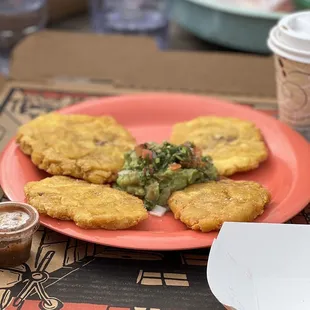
[235,145]
[82,146]
[207,206]
[88,205]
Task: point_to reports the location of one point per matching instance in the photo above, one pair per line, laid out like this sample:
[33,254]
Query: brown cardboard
[2,81]
[134,63]
[53,54]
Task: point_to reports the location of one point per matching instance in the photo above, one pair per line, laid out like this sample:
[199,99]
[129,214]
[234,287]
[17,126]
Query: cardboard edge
[2,82]
[101,89]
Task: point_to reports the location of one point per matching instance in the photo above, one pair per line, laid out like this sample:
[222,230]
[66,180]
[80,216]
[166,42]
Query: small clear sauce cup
[18,223]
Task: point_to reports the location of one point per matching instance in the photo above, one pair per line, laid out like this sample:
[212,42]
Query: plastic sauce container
[18,223]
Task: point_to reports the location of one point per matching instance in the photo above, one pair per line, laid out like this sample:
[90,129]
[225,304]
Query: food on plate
[82,146]
[235,145]
[207,206]
[148,177]
[88,205]
[153,171]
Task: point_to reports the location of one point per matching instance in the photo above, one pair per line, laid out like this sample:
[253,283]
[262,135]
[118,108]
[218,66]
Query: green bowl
[235,28]
[302,4]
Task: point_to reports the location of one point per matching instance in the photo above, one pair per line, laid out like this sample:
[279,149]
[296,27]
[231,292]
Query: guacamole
[154,171]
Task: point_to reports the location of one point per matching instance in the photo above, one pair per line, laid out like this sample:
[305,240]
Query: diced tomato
[187,144]
[138,150]
[174,167]
[197,151]
[151,170]
[147,154]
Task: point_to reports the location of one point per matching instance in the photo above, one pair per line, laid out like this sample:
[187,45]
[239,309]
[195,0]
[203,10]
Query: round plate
[231,26]
[150,117]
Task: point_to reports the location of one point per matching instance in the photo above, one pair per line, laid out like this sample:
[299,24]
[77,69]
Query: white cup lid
[291,37]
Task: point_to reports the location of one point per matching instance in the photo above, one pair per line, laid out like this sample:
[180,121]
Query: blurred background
[223,25]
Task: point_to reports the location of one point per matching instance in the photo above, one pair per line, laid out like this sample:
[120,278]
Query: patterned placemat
[65,273]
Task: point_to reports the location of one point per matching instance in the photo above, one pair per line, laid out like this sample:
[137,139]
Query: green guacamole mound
[153,171]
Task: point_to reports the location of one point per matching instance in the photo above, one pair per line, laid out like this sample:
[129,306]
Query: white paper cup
[290,42]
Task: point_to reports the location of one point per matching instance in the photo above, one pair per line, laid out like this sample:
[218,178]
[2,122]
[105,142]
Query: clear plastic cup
[18,18]
[139,17]
[18,223]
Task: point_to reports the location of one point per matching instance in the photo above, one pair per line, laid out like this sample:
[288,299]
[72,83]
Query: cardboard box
[75,66]
[271,276]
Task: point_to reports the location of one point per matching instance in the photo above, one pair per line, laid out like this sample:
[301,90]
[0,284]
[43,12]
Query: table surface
[78,275]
